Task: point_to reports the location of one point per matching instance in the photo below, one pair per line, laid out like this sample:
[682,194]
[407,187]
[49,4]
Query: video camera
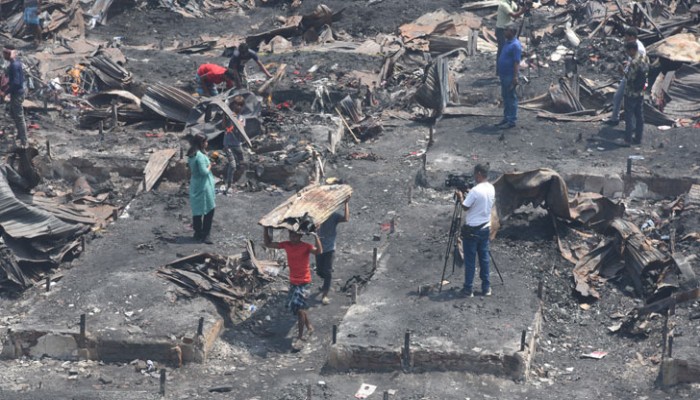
[527,5]
[460,182]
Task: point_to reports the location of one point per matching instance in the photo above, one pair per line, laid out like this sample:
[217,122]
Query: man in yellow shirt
[507,11]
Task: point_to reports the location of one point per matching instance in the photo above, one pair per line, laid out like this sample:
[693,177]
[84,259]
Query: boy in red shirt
[210,75]
[298,253]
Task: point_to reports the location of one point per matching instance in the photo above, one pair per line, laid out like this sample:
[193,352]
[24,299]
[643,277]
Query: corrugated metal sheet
[684,93]
[318,201]
[168,102]
[157,163]
[20,220]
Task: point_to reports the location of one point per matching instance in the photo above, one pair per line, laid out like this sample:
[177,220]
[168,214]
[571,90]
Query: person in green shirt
[202,192]
[636,79]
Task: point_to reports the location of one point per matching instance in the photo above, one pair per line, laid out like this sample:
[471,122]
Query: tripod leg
[496,267]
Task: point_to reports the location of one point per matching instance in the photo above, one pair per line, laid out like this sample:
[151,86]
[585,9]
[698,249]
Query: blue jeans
[617,100]
[510,100]
[473,244]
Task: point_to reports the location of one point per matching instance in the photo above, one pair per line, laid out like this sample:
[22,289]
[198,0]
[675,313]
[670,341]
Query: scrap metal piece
[157,163]
[169,102]
[315,201]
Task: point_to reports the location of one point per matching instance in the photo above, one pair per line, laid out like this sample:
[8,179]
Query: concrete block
[62,347]
[593,183]
[613,184]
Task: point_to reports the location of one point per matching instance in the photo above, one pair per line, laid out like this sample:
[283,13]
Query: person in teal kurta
[202,192]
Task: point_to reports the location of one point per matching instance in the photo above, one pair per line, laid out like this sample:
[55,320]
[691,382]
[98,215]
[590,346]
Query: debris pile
[236,282]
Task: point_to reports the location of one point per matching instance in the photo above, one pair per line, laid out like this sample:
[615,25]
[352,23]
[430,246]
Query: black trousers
[634,118]
[202,224]
[324,269]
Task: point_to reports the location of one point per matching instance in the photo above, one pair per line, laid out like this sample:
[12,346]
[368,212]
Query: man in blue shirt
[324,261]
[508,68]
[15,89]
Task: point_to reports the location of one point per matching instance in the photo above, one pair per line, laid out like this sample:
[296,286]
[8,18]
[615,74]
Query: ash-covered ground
[253,359]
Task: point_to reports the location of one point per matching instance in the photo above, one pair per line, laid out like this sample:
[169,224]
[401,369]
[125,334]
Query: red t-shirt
[298,260]
[212,73]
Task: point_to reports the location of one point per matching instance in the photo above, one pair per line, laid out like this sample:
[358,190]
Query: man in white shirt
[630,36]
[476,230]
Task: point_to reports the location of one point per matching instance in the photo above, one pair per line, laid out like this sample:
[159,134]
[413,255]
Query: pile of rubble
[236,282]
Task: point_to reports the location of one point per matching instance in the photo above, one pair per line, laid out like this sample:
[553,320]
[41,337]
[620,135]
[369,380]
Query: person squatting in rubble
[630,37]
[239,58]
[477,229]
[202,191]
[324,261]
[210,75]
[298,253]
[636,77]
[15,90]
[507,11]
[233,146]
[508,73]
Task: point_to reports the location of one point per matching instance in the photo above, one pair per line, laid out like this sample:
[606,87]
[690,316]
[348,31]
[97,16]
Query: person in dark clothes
[240,57]
[202,191]
[635,78]
[233,145]
[324,261]
[15,89]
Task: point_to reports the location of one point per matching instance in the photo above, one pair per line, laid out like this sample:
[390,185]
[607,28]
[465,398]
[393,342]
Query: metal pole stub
[407,346]
[629,166]
[82,327]
[162,382]
[200,326]
[334,336]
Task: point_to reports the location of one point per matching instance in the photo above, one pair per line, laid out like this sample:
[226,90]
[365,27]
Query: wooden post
[115,214]
[670,347]
[46,106]
[431,136]
[48,283]
[522,340]
[410,193]
[48,148]
[334,336]
[162,382]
